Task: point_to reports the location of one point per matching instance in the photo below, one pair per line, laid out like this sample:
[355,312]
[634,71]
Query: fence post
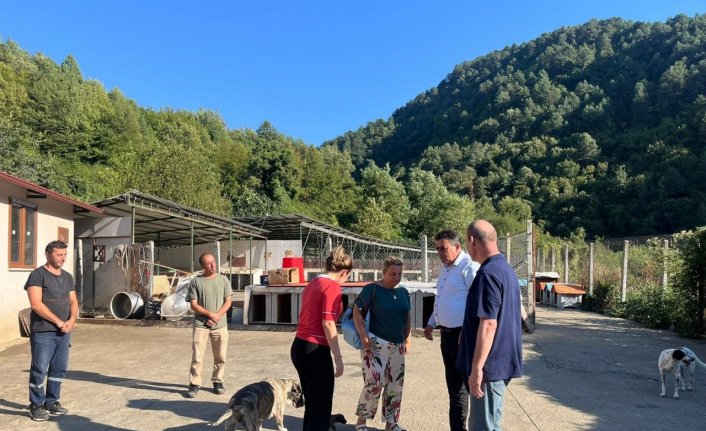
[553,259]
[508,243]
[544,258]
[218,255]
[530,272]
[425,259]
[566,263]
[624,279]
[150,283]
[591,255]
[664,268]
[79,271]
[192,247]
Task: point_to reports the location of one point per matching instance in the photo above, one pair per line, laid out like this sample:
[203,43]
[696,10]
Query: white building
[33,216]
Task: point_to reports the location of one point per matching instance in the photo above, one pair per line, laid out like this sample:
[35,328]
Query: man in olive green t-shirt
[210,298]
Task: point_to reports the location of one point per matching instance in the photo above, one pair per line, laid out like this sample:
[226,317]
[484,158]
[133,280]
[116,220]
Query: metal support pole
[508,252]
[566,263]
[250,262]
[553,259]
[329,245]
[624,278]
[230,258]
[156,258]
[591,257]
[79,270]
[218,256]
[95,266]
[425,260]
[544,258]
[529,298]
[192,246]
[150,283]
[665,263]
[132,227]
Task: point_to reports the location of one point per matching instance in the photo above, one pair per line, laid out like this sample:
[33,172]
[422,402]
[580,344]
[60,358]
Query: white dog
[682,362]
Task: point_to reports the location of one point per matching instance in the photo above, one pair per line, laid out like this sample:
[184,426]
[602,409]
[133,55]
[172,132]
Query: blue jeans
[50,359]
[486,413]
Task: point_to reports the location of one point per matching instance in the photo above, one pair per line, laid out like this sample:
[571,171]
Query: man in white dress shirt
[449,307]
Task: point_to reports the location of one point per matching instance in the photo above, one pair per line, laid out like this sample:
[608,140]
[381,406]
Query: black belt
[445,329]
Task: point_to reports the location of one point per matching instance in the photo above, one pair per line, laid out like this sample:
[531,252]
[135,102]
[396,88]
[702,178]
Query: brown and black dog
[254,403]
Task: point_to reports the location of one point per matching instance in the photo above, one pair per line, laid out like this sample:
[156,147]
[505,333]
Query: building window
[23,234]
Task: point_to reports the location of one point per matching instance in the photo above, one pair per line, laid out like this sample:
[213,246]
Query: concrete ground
[583,372]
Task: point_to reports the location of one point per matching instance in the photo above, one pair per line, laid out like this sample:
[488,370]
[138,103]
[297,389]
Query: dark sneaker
[218,387]
[193,390]
[55,408]
[38,413]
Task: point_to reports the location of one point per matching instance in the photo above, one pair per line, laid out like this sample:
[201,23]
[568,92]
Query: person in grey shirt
[210,298]
[449,307]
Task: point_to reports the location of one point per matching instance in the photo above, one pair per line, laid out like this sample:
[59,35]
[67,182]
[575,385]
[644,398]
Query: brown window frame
[23,205]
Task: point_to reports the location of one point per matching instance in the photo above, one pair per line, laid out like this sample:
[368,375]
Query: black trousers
[315,369]
[458,395]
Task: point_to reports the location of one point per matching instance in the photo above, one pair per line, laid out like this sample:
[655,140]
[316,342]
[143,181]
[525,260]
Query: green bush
[688,288]
[650,306]
[605,299]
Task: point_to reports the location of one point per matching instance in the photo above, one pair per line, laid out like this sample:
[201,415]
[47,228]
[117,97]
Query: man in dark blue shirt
[490,351]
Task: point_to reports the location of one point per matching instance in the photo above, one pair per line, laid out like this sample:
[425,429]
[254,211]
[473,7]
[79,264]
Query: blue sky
[314,69]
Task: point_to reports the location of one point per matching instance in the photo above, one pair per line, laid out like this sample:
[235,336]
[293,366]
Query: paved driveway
[583,372]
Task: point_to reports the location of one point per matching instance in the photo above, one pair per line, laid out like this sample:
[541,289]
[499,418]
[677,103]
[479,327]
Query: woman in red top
[317,338]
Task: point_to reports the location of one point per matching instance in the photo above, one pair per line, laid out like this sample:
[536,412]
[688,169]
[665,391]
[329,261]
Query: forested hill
[601,125]
[598,127]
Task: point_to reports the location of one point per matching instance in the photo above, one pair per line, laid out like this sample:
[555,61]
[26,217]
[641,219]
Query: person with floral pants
[385,344]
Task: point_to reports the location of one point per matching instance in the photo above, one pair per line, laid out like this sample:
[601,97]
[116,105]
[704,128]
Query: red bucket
[295,262]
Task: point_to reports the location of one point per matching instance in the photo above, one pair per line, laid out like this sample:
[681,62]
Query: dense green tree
[388,193]
[433,207]
[604,113]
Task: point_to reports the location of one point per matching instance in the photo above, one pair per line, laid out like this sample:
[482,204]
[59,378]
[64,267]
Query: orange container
[295,262]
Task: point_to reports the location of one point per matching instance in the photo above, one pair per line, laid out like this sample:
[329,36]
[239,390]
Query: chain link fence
[626,262]
[109,269]
[519,252]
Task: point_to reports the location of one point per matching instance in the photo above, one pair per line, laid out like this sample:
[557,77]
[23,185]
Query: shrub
[689,284]
[650,306]
[605,299]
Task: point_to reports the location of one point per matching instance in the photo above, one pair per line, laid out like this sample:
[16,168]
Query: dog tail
[699,361]
[221,419]
[696,358]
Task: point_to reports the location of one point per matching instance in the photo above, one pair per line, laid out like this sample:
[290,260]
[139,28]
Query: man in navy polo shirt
[490,351]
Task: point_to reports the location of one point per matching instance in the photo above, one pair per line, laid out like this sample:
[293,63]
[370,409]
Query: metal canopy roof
[291,226]
[168,223]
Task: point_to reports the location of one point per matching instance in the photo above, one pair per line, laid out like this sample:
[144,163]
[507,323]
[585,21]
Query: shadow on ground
[606,368]
[127,382]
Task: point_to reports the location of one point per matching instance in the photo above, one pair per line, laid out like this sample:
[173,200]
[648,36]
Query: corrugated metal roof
[294,226]
[46,193]
[169,223]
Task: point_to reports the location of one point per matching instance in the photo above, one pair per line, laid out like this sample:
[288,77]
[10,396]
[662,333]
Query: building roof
[170,223]
[294,227]
[35,191]
[568,289]
[554,275]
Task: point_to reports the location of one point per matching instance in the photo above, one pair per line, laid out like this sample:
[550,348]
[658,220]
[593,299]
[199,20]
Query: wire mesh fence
[153,273]
[628,262]
[106,270]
